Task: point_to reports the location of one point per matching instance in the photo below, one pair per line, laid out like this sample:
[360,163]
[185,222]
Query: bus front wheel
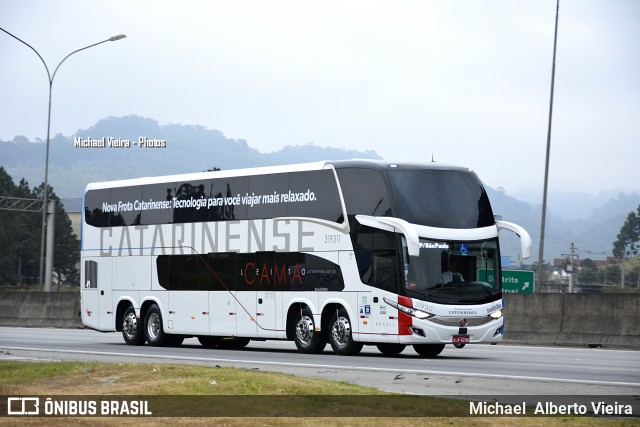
[428,350]
[307,339]
[341,335]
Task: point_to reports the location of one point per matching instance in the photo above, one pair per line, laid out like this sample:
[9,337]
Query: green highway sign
[513,281]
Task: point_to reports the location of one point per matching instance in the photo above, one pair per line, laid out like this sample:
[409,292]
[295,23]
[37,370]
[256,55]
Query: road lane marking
[344,367]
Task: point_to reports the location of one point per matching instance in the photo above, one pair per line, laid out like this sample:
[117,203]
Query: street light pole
[46,281]
[546,164]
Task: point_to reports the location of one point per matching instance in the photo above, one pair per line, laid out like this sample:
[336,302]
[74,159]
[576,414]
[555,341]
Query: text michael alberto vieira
[550,408]
[111,142]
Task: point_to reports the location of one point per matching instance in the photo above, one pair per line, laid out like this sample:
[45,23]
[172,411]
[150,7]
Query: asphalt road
[473,370]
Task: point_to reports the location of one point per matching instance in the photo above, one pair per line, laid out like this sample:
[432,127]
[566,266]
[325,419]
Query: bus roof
[265,170]
[386,164]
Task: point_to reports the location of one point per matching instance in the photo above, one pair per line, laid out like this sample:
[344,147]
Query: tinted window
[299,194]
[221,267]
[378,268]
[264,195]
[376,256]
[183,272]
[90,274]
[453,272]
[313,273]
[94,212]
[112,207]
[314,194]
[364,237]
[188,201]
[365,192]
[158,197]
[283,271]
[440,198]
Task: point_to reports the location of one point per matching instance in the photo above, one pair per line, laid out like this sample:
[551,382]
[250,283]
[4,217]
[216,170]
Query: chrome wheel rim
[153,326]
[305,330]
[341,331]
[130,325]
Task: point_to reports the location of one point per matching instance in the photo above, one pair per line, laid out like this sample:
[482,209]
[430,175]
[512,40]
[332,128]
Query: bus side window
[378,268]
[90,275]
[376,257]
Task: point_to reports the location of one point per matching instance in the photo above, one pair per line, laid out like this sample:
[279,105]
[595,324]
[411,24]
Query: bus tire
[341,334]
[391,349]
[209,342]
[132,330]
[307,339]
[153,330]
[171,340]
[428,350]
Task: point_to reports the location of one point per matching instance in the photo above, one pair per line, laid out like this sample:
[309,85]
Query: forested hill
[185,149]
[593,236]
[189,148]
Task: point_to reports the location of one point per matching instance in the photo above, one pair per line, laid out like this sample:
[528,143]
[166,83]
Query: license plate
[461,339]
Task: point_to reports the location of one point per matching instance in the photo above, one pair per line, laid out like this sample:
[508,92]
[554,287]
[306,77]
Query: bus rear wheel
[428,350]
[307,339]
[340,335]
[132,332]
[154,332]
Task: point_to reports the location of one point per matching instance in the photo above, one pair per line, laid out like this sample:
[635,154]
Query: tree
[20,234]
[589,272]
[628,240]
[10,235]
[612,274]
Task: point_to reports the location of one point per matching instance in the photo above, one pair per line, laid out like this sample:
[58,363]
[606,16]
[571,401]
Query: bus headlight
[409,310]
[496,314]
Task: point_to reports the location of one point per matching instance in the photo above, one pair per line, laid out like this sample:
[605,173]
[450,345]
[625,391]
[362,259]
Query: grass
[242,389]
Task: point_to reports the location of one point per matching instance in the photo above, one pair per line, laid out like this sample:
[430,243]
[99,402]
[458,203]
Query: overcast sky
[468,81]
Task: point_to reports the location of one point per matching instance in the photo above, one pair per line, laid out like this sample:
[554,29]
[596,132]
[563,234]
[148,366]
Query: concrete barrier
[40,309]
[598,320]
[607,320]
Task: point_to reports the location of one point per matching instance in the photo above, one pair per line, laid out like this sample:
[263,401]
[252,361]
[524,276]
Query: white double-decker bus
[349,253]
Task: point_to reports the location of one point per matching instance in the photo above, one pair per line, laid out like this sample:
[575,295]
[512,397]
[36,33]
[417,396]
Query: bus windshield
[455,272]
[440,198]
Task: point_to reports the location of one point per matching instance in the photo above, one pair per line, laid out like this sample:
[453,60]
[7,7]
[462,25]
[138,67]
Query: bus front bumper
[444,332]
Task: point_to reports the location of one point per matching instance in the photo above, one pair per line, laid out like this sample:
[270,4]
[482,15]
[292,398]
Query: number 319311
[332,238]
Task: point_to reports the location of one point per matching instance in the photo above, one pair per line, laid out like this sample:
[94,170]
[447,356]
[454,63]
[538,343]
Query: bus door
[378,269]
[267,273]
[96,294]
[222,300]
[384,318]
[246,285]
[188,311]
